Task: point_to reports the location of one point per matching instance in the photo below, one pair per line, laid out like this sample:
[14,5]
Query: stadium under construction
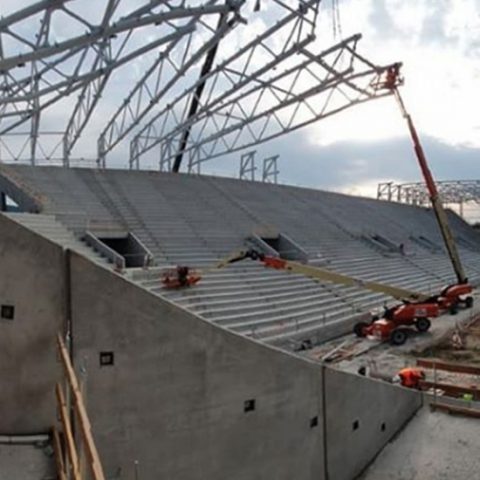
[160,324]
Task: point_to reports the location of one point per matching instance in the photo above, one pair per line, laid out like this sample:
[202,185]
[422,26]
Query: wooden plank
[448,366]
[332,352]
[67,430]
[452,390]
[445,407]
[57,448]
[85,427]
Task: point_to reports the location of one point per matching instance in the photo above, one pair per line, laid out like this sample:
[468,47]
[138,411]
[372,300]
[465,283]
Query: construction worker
[392,77]
[409,377]
[182,275]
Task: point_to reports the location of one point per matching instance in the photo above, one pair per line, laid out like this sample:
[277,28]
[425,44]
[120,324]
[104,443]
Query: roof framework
[59,60]
[452,192]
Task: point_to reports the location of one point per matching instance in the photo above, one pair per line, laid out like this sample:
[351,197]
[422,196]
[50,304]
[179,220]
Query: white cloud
[441,80]
[439,43]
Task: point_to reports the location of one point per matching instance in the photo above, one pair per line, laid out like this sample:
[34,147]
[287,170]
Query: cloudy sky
[438,42]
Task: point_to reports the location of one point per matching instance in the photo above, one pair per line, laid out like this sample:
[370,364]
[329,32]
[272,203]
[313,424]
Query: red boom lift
[416,308]
[414,311]
[459,293]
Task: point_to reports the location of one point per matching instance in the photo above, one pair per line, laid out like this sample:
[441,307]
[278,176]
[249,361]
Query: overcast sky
[438,42]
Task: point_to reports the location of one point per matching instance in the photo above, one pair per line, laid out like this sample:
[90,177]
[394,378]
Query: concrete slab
[433,446]
[26,462]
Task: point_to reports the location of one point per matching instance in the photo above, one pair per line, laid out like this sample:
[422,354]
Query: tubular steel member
[413,311]
[452,295]
[195,102]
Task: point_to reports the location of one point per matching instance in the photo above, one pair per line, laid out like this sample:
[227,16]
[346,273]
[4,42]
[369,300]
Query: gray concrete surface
[362,416]
[174,398]
[434,446]
[388,360]
[173,402]
[195,220]
[31,280]
[26,462]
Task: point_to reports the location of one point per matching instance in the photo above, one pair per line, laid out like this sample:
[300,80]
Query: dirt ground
[464,350]
[451,338]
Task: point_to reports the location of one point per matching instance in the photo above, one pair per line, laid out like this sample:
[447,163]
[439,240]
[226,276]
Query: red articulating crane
[459,293]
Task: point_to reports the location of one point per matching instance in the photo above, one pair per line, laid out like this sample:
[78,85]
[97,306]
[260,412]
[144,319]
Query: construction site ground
[26,461]
[433,446]
[349,353]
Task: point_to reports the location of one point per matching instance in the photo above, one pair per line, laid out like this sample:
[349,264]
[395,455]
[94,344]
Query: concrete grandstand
[195,385]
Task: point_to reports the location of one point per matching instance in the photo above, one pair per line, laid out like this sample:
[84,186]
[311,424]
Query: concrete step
[259,307]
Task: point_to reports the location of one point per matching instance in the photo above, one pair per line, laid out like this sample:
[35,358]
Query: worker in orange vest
[410,377]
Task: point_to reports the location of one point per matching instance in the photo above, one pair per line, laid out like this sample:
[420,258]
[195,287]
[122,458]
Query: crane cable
[337,24]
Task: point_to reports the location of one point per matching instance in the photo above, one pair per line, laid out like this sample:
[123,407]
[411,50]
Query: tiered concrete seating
[197,220]
[49,227]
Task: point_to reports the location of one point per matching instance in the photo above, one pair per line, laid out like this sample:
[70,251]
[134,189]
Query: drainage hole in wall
[355,425]
[106,359]
[383,427]
[313,422]
[249,405]
[7,312]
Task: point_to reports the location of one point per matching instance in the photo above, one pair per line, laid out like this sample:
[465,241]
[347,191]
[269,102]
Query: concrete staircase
[268,305]
[197,220]
[49,227]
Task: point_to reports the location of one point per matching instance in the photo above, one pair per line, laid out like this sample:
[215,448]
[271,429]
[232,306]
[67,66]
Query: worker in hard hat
[409,377]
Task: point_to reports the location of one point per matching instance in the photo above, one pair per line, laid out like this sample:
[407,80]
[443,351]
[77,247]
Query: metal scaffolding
[452,192]
[39,72]
[83,80]
[291,88]
[270,169]
[247,166]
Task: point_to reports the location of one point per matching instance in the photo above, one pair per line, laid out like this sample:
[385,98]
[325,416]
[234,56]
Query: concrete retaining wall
[31,280]
[184,399]
[362,416]
[174,400]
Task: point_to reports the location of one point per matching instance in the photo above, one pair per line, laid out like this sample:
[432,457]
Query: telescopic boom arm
[322,274]
[392,82]
[434,195]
